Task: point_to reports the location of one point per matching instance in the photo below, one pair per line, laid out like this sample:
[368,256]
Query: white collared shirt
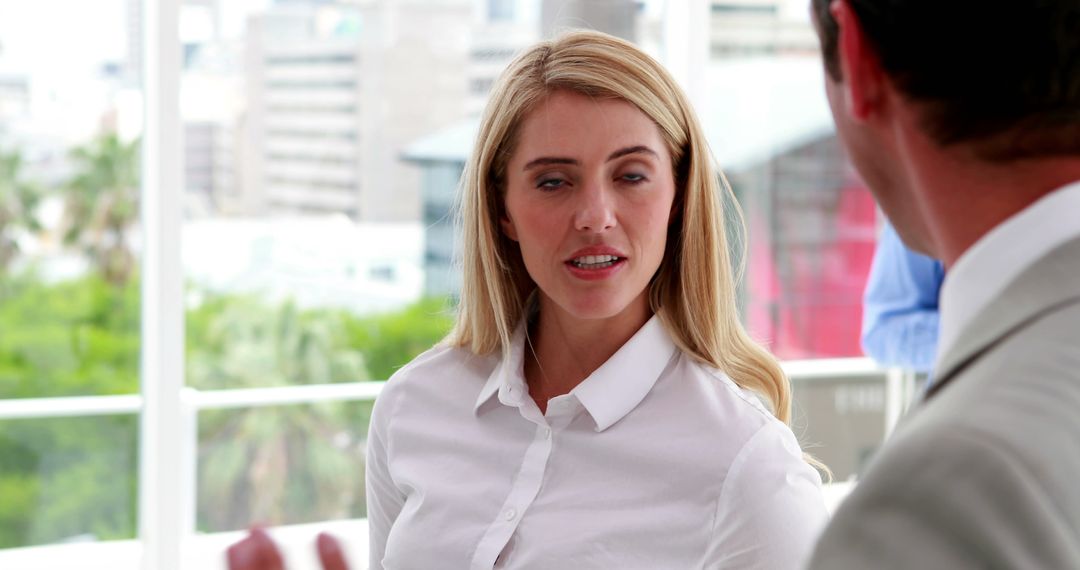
[997,258]
[653,462]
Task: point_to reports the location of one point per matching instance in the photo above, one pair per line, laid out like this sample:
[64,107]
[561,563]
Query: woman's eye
[550,183]
[633,178]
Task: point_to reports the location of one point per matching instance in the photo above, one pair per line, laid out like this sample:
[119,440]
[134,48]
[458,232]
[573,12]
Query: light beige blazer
[985,472]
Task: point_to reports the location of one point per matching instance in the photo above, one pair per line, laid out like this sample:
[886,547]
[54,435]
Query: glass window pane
[67,480]
[811,222]
[304,233]
[324,142]
[282,465]
[70,127]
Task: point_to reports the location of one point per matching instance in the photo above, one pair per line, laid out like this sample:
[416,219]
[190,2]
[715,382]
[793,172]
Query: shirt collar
[621,383]
[610,392]
[996,259]
[508,374]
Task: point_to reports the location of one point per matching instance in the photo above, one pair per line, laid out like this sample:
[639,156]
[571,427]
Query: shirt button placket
[522,494]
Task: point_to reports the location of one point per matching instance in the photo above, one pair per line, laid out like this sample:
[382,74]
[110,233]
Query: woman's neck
[563,350]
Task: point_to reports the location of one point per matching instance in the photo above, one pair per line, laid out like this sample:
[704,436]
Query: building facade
[335,92]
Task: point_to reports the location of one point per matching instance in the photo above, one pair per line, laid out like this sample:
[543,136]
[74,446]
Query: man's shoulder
[1028,372]
[992,455]
[1019,396]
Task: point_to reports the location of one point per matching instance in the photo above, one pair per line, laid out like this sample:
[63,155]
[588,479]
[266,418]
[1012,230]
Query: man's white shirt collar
[1000,256]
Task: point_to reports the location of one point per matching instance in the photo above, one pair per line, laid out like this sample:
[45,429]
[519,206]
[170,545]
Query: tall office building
[334,93]
[501,29]
[14,96]
[755,27]
[615,17]
[199,20]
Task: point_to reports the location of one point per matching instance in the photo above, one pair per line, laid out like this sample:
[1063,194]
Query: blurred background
[320,146]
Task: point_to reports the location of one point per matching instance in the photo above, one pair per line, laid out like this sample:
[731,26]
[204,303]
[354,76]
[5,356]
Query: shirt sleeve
[900,305]
[771,508]
[384,499]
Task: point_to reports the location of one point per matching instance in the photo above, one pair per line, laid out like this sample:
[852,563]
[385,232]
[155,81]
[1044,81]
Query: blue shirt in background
[900,305]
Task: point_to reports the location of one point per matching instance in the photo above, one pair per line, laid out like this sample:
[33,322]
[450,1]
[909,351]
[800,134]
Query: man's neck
[965,198]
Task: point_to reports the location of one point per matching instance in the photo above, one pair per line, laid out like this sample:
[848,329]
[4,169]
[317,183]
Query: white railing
[80,406]
[899,388]
[192,401]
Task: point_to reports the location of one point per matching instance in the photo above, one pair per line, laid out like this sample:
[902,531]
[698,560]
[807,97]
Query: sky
[62,37]
[54,36]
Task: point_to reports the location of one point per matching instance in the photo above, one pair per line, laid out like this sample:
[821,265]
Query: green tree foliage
[288,464]
[19,200]
[278,464]
[74,338]
[70,476]
[391,340]
[101,204]
[65,477]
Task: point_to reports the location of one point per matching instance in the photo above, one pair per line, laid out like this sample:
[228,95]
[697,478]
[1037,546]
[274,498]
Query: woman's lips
[595,271]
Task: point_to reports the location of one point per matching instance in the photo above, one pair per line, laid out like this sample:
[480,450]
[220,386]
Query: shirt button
[510,514]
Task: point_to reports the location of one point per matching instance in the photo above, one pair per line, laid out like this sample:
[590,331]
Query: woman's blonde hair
[693,291]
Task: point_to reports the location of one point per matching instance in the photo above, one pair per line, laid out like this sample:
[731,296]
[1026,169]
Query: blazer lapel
[1049,284]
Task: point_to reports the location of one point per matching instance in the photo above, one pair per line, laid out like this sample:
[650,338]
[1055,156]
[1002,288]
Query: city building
[615,17]
[441,160]
[335,92]
[756,27]
[315,261]
[212,109]
[500,29]
[14,97]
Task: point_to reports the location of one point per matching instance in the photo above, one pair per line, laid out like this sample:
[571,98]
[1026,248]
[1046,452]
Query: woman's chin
[603,307]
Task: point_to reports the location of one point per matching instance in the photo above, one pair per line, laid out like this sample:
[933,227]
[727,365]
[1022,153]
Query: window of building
[311,250]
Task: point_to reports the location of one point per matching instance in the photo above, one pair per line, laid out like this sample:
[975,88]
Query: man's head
[996,80]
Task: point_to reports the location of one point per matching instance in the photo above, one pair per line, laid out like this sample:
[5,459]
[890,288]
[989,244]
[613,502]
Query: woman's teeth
[595,261]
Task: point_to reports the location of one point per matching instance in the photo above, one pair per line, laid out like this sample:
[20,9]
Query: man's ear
[863,77]
[508,227]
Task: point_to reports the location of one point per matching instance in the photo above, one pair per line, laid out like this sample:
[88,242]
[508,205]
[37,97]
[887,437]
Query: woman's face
[588,199]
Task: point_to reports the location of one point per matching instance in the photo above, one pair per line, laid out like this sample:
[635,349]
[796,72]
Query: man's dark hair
[1003,75]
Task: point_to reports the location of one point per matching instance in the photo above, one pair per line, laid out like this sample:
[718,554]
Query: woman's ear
[508,226]
[676,201]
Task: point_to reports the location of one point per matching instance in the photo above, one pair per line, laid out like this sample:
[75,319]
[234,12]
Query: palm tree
[102,204]
[280,464]
[18,204]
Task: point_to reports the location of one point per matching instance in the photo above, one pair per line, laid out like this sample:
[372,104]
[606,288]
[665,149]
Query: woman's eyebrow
[549,160]
[546,160]
[632,150]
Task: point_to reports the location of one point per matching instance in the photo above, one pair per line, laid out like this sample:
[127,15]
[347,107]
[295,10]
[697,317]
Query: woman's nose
[595,208]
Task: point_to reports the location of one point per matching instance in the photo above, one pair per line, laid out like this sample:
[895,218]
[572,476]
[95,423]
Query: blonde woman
[598,404]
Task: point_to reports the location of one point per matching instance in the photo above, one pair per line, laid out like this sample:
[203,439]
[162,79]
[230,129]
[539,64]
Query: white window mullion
[162,501]
[686,45]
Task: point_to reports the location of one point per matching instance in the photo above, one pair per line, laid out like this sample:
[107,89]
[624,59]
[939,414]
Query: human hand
[330,553]
[258,552]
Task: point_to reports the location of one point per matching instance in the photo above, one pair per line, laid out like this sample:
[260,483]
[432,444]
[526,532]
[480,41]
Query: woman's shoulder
[720,383]
[739,412]
[440,368]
